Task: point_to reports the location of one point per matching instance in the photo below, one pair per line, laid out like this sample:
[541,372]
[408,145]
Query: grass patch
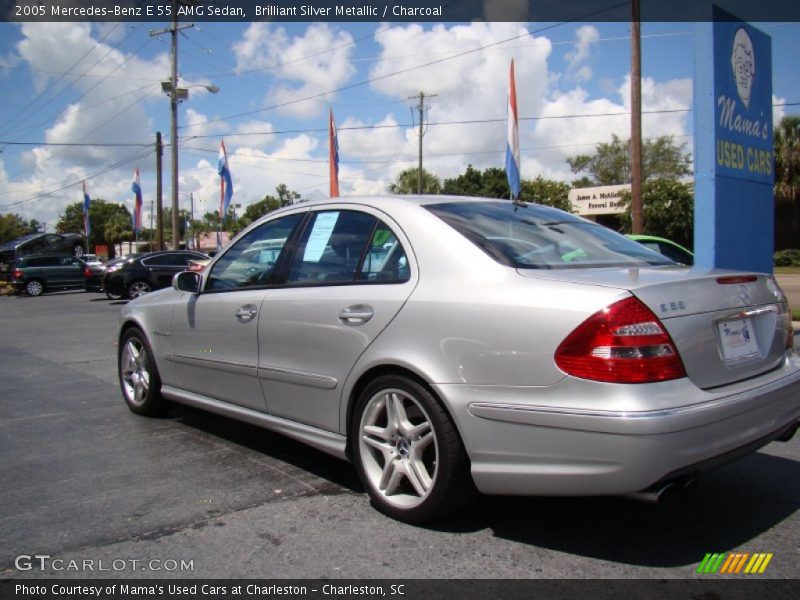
[787,270]
[796,314]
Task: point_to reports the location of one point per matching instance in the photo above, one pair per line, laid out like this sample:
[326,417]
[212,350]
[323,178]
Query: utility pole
[421,108]
[191,218]
[637,224]
[175,95]
[159,192]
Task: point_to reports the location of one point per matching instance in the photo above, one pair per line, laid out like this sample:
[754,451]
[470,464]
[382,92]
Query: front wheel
[407,451]
[138,376]
[138,288]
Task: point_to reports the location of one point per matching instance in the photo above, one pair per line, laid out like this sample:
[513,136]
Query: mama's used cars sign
[734,162]
[743,102]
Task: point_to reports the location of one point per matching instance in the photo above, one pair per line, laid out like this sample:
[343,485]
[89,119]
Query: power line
[407,70]
[117,165]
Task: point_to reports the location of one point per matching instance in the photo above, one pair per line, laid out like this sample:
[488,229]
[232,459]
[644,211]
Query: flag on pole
[225,182]
[333,156]
[512,149]
[136,188]
[86,224]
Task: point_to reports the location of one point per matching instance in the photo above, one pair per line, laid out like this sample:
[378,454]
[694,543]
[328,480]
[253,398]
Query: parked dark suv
[47,272]
[39,243]
[147,272]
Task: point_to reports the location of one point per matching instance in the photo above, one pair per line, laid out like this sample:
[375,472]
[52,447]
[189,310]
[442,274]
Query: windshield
[531,236]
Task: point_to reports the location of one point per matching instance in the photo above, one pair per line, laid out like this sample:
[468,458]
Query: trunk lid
[727,326]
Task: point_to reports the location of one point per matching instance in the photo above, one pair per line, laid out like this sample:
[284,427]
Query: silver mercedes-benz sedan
[444,344]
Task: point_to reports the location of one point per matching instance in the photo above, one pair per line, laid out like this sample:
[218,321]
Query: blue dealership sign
[734,162]
[743,82]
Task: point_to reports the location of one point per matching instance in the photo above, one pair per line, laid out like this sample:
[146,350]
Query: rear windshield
[530,236]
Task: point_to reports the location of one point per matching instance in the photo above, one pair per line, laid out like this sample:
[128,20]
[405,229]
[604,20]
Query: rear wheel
[407,451]
[34,287]
[77,250]
[138,376]
[138,288]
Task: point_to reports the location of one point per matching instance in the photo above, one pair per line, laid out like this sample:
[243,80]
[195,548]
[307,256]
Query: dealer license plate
[737,338]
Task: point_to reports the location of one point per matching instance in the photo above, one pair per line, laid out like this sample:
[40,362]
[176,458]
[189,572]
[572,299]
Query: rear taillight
[16,274]
[623,343]
[87,272]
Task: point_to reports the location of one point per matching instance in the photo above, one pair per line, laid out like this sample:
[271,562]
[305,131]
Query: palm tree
[787,165]
[118,229]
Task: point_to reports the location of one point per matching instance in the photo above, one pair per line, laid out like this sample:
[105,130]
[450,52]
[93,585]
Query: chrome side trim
[161,333]
[214,363]
[326,441]
[297,377]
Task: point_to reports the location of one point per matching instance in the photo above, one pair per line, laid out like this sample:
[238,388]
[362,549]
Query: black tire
[428,478]
[34,287]
[138,288]
[135,367]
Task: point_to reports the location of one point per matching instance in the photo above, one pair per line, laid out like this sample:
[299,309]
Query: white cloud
[301,66]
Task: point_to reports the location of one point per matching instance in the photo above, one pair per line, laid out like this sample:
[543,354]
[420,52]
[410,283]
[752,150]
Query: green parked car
[666,247]
[48,272]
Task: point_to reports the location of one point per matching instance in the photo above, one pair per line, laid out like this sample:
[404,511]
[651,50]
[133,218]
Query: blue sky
[99,84]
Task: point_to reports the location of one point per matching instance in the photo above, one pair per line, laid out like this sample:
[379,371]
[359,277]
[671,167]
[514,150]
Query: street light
[176,95]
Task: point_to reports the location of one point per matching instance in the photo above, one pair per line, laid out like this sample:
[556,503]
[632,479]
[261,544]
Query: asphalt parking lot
[84,479]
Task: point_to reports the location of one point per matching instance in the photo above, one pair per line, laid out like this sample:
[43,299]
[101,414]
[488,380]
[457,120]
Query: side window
[252,260]
[159,261]
[52,239]
[69,261]
[385,260]
[332,247]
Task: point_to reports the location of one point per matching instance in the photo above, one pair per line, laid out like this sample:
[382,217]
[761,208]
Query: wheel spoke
[376,431]
[417,475]
[139,393]
[390,478]
[416,431]
[382,447]
[422,443]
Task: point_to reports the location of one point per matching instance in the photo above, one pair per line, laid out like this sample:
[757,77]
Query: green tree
[258,209]
[610,164]
[546,191]
[407,182]
[668,207]
[13,226]
[787,165]
[489,183]
[285,195]
[100,212]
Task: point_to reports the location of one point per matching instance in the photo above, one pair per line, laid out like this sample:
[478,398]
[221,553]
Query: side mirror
[187,281]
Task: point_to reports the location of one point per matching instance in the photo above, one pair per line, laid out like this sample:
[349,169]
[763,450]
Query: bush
[787,258]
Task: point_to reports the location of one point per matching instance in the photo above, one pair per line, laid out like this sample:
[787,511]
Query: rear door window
[332,247]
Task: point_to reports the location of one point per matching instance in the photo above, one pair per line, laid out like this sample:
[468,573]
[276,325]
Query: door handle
[246,313]
[358,314]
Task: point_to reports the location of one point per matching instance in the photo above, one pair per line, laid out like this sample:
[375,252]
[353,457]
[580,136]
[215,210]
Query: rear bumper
[536,441]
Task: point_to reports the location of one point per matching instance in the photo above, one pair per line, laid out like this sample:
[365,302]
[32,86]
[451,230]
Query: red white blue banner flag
[225,182]
[333,156]
[86,224]
[136,188]
[512,147]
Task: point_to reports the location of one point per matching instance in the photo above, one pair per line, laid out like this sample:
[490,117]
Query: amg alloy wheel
[138,375]
[407,452]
